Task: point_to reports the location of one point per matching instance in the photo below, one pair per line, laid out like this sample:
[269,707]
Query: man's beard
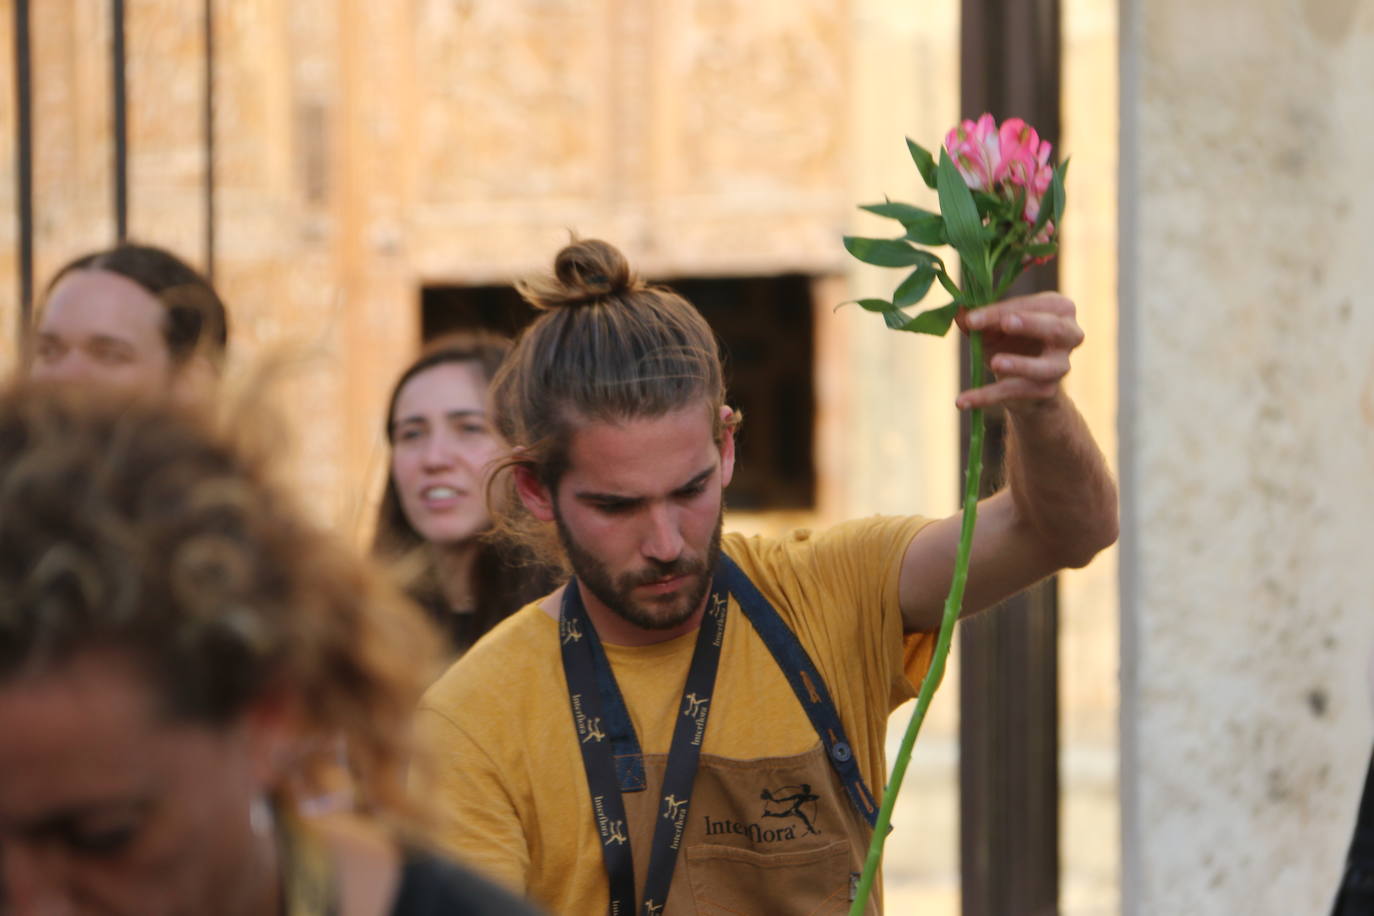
[617,594]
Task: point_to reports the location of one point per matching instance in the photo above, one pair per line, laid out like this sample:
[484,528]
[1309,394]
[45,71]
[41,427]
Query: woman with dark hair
[433,522]
[181,654]
[134,319]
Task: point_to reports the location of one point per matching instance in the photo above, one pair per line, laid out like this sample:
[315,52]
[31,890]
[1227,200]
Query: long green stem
[954,602]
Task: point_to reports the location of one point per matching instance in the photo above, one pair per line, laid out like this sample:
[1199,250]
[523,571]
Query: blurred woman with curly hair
[180,655]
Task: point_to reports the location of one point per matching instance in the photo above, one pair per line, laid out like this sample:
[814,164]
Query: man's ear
[536,497]
[727,446]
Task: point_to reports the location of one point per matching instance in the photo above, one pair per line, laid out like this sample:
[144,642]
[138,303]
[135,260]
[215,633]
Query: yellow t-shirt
[509,785]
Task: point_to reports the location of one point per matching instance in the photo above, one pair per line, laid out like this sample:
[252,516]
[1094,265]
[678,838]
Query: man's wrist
[1037,410]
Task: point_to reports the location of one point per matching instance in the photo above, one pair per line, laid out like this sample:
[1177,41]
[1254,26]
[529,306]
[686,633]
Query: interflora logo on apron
[794,807]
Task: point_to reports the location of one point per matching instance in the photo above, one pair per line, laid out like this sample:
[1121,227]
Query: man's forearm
[1059,481]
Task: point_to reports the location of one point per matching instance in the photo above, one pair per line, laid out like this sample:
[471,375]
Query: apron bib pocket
[727,881]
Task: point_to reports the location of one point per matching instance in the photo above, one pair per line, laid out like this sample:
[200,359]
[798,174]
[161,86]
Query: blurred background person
[134,319]
[433,518]
[179,653]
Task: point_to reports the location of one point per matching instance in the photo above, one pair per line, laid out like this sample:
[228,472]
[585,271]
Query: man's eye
[113,356]
[409,434]
[103,841]
[691,492]
[615,508]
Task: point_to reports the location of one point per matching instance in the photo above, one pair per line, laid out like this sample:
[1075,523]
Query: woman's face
[109,807]
[442,444]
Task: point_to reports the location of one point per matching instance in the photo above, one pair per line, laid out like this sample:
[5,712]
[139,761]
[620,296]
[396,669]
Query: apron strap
[807,684]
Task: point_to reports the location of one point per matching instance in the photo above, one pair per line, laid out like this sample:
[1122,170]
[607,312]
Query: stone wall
[1247,449]
[366,149]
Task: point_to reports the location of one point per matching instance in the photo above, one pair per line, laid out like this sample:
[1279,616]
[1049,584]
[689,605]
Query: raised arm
[1059,507]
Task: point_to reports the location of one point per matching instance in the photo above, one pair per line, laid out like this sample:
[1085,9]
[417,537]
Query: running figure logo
[792,801]
[671,806]
[652,909]
[615,831]
[694,706]
[572,630]
[594,730]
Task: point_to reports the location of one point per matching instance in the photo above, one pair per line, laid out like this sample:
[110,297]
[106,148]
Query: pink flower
[1003,159]
[975,149]
[1031,212]
[1025,157]
[1008,160]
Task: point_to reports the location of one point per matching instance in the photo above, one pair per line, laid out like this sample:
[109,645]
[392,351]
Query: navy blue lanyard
[806,683]
[611,753]
[612,756]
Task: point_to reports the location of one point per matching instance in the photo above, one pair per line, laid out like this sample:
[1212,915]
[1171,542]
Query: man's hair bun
[585,272]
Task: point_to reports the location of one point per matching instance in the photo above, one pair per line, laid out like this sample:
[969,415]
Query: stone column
[1247,389]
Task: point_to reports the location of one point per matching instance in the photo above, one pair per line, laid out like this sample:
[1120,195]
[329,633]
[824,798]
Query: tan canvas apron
[774,836]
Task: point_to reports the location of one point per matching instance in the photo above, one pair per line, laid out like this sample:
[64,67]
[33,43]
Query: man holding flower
[697,718]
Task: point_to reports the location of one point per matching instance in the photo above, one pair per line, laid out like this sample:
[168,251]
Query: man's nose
[663,539]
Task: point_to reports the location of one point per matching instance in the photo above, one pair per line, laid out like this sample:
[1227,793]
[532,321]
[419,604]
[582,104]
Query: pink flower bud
[1004,160]
[974,147]
[1025,157]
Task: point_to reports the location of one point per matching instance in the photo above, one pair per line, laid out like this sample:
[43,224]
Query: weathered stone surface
[1246,457]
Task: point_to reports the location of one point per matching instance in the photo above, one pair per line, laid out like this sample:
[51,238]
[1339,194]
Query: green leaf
[1046,211]
[925,163]
[988,203]
[927,232]
[962,224]
[950,286]
[887,252]
[872,305]
[899,211]
[1005,270]
[1042,251]
[935,321]
[922,226]
[896,319]
[915,286]
[1057,191]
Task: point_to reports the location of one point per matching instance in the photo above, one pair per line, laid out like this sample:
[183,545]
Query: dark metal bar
[209,123]
[23,90]
[119,90]
[1009,665]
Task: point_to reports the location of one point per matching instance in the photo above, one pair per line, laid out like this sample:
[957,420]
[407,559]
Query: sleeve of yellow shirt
[476,821]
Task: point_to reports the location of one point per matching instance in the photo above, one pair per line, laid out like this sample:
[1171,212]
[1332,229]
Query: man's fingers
[1051,330]
[1048,303]
[1005,391]
[1050,366]
[1029,340]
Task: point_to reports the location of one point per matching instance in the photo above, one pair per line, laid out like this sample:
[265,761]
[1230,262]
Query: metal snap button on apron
[841,752]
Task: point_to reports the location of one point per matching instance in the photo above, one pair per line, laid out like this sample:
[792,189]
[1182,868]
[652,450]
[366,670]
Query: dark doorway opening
[766,331]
